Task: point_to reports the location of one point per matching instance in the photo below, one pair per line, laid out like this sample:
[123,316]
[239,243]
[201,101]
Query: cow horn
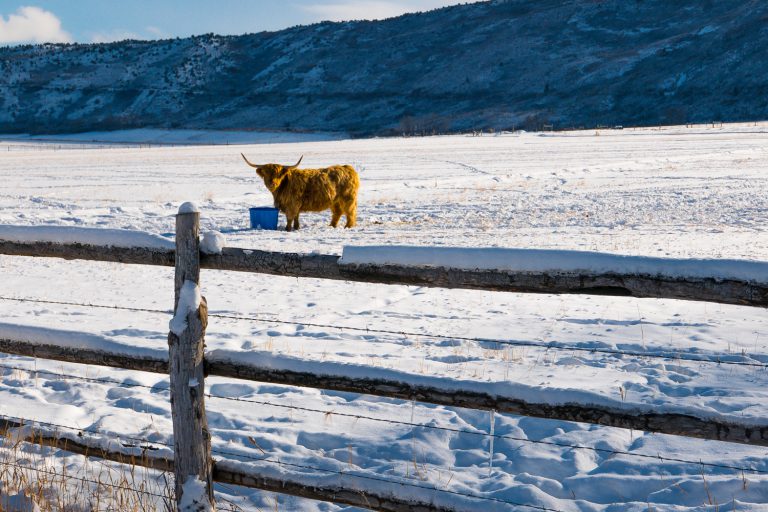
[297,163]
[249,163]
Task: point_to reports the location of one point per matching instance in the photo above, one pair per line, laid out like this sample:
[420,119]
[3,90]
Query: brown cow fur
[311,190]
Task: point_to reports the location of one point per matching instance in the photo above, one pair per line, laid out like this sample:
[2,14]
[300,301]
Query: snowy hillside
[499,64]
[696,192]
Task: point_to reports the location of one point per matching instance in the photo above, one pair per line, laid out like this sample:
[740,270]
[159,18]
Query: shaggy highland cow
[311,190]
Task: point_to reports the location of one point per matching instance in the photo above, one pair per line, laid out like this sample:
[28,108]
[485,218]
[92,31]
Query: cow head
[272,174]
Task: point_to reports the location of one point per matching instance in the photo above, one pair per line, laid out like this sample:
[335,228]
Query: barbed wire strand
[303,466]
[81,479]
[716,358]
[343,473]
[25,421]
[409,484]
[719,359]
[495,436]
[331,412]
[85,379]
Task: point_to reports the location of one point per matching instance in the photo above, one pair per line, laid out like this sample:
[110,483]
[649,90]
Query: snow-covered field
[698,192]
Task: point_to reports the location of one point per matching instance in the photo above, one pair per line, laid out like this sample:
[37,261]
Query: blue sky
[89,21]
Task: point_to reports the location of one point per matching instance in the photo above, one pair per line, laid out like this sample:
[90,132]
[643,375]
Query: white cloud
[111,36]
[157,33]
[32,25]
[343,10]
[114,35]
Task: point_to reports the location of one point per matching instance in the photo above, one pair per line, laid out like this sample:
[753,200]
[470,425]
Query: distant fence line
[66,146]
[187,363]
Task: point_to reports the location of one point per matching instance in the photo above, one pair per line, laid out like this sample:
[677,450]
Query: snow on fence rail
[565,272]
[724,281]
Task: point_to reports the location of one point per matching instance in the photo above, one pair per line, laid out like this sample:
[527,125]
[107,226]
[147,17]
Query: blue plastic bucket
[263,217]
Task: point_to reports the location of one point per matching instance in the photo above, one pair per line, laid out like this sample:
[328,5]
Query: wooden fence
[188,365]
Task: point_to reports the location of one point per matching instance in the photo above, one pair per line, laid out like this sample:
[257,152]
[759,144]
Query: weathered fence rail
[188,365]
[638,419]
[723,291]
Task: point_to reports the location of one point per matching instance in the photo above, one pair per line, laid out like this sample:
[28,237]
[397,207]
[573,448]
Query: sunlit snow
[670,194]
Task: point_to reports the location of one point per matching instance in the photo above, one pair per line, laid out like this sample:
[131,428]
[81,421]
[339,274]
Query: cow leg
[292,218]
[350,211]
[335,216]
[351,219]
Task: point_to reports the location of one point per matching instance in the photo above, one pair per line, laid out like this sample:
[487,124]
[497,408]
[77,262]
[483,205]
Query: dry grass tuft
[47,479]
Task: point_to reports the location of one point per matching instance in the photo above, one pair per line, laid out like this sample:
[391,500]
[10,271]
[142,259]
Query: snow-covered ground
[679,192]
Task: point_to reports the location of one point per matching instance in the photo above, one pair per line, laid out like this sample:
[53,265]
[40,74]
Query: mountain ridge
[501,64]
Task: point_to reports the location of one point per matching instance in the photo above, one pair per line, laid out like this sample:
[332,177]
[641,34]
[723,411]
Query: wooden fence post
[191,439]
